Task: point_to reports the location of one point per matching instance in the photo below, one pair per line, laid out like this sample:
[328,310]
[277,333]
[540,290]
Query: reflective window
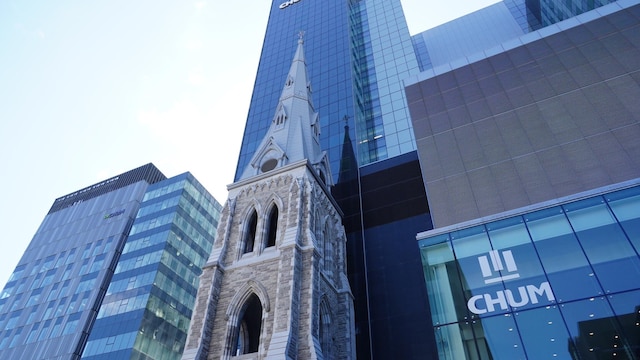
[614,260]
[502,338]
[72,324]
[458,341]
[33,334]
[443,283]
[624,205]
[56,328]
[16,337]
[563,282]
[517,265]
[32,316]
[45,330]
[544,333]
[593,327]
[571,276]
[481,281]
[626,307]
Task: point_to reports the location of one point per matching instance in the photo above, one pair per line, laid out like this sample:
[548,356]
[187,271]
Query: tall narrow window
[324,331]
[248,333]
[250,235]
[327,255]
[273,226]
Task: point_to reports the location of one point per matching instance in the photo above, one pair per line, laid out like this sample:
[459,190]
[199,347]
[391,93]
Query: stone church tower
[275,285]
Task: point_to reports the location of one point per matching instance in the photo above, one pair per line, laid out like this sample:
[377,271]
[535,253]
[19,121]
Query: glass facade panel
[443,280]
[154,285]
[605,244]
[571,277]
[624,205]
[500,333]
[543,333]
[521,269]
[561,282]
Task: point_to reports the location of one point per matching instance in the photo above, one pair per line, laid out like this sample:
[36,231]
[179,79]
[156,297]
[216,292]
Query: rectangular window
[32,315]
[48,313]
[48,278]
[16,337]
[56,328]
[65,288]
[45,330]
[72,324]
[32,334]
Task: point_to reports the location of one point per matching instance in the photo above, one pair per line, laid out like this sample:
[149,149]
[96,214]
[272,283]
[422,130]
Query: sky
[91,89]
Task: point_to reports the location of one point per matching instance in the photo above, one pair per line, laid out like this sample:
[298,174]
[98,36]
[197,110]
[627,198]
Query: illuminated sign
[493,265]
[288,3]
[114,214]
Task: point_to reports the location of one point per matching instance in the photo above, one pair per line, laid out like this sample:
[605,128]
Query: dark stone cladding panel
[547,119]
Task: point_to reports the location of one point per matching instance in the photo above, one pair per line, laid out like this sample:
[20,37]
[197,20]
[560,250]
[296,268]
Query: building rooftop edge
[530,208]
[522,40]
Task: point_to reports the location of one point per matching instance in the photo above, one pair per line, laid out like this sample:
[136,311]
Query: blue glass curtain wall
[563,282]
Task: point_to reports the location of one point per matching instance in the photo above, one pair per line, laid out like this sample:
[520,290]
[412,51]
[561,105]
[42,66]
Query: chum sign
[288,3]
[498,267]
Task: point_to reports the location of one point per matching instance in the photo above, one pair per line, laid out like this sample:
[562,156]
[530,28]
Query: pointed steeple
[348,162]
[295,127]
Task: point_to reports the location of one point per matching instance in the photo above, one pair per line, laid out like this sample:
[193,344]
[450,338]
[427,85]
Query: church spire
[295,127]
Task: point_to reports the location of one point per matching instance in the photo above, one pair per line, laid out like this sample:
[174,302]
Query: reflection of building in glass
[564,268]
[598,340]
[530,161]
[51,305]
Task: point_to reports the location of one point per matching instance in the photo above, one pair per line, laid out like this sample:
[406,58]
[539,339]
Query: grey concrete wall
[550,118]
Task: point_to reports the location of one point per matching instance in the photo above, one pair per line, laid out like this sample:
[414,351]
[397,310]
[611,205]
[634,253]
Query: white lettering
[288,3]
[504,298]
[499,300]
[544,288]
[523,297]
[471,304]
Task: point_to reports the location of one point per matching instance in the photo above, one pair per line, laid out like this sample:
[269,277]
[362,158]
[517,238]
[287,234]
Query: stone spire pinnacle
[295,127]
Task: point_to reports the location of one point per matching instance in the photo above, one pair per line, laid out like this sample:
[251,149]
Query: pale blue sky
[90,89]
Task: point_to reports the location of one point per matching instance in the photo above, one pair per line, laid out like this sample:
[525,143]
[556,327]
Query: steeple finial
[301,37]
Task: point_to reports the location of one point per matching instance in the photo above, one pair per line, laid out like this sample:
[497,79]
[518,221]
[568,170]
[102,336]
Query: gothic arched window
[272,228]
[250,233]
[327,251]
[247,338]
[324,330]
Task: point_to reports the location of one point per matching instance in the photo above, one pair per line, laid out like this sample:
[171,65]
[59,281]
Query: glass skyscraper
[358,53]
[147,308]
[70,281]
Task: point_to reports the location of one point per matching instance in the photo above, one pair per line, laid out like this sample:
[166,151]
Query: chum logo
[497,265]
[496,268]
[288,3]
[114,214]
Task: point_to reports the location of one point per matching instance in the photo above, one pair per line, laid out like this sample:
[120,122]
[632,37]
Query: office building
[529,154]
[48,307]
[146,311]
